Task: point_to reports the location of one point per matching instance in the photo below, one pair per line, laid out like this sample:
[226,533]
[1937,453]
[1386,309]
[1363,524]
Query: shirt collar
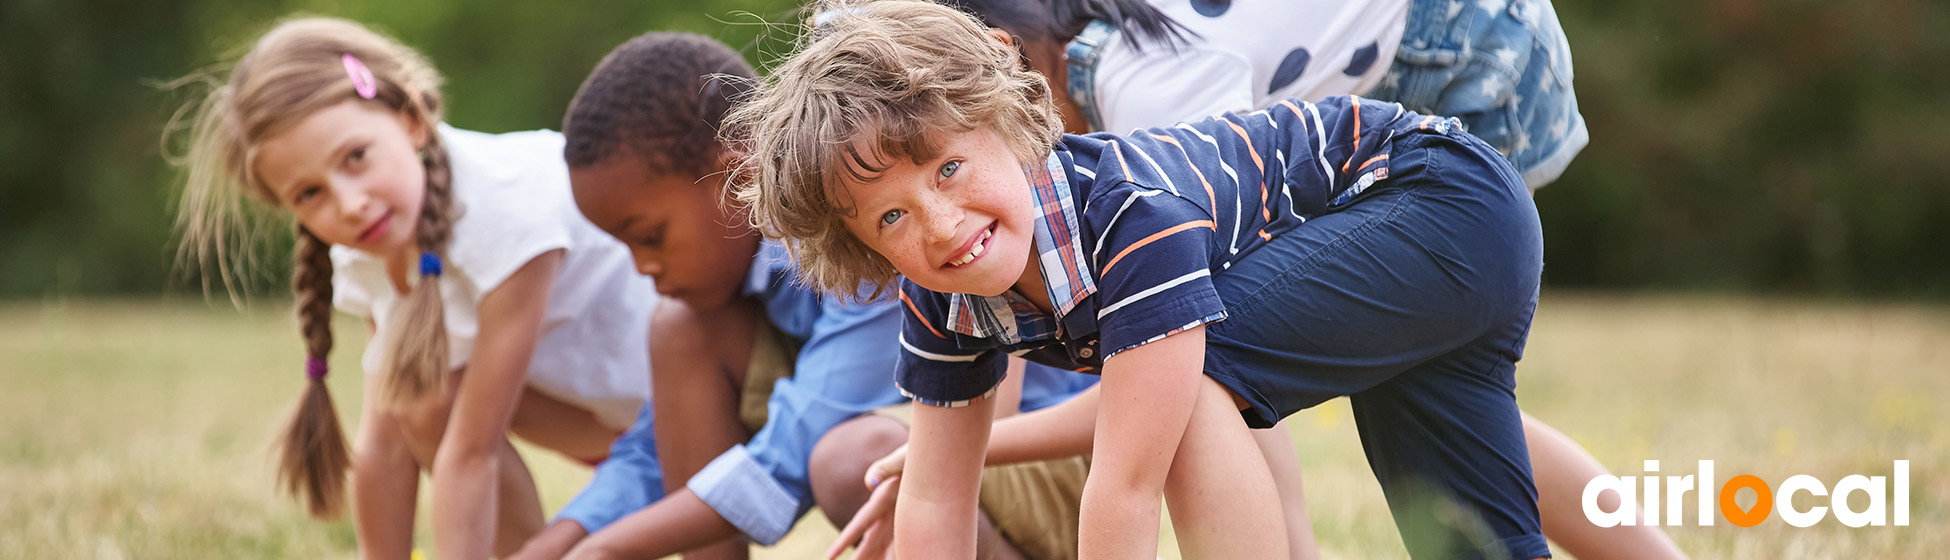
[1059,254]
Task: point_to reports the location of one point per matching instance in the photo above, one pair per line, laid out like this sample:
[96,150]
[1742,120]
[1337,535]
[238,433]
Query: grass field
[139,429]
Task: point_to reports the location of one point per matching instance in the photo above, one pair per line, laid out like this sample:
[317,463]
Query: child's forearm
[1148,396]
[939,510]
[385,485]
[679,522]
[464,503]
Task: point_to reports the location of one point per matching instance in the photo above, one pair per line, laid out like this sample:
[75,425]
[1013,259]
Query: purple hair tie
[314,369]
[362,80]
[429,264]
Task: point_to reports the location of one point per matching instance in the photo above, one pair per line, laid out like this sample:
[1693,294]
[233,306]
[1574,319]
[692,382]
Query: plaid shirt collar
[1059,252]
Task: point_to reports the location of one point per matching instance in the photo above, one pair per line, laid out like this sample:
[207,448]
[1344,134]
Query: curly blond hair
[898,70]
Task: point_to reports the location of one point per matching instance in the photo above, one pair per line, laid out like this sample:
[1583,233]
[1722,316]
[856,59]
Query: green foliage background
[1792,146]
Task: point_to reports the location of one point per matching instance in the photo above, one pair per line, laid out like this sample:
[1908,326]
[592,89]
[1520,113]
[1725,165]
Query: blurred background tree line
[1787,147]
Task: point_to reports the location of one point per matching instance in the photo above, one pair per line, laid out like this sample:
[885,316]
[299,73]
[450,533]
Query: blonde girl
[492,305]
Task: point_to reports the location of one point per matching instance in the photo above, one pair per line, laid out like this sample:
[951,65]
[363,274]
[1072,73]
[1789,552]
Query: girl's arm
[1148,395]
[465,469]
[937,517]
[385,481]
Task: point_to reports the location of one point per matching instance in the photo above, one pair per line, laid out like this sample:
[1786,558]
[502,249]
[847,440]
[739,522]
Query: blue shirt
[1131,229]
[843,369]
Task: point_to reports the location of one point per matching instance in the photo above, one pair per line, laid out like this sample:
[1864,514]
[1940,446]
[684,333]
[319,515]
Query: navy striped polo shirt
[1131,229]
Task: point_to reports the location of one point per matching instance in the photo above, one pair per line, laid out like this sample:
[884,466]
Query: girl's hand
[871,531]
[887,467]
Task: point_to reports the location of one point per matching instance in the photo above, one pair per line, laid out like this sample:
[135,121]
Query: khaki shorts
[773,355]
[1036,506]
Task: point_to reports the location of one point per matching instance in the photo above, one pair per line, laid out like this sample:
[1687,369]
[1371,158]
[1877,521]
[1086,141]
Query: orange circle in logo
[1763,501]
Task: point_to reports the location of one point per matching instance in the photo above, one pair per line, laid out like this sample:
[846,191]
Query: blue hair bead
[429,264]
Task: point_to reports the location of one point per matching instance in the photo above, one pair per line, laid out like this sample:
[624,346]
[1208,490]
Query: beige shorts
[773,355]
[1035,506]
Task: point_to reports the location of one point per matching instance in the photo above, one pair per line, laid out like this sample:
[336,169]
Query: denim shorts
[1503,67]
[1414,299]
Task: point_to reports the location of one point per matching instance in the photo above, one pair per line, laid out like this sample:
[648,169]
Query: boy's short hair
[661,97]
[895,69]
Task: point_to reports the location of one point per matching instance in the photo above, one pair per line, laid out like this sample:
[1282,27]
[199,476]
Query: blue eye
[890,217]
[948,169]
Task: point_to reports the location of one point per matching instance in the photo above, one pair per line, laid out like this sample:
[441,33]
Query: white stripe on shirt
[1097,256]
[933,356]
[1154,290]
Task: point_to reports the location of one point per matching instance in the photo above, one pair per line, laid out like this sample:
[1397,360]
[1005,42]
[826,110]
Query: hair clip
[314,368]
[362,80]
[429,264]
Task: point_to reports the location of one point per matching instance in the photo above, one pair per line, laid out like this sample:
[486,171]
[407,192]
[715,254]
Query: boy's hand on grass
[871,532]
[887,467]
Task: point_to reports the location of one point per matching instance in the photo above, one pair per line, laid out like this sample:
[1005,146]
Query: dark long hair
[1062,20]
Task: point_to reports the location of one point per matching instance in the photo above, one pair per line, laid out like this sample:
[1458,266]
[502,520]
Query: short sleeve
[509,193]
[502,228]
[934,368]
[1154,274]
[1160,87]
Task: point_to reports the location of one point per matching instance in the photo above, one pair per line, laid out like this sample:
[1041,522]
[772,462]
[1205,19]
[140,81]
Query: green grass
[140,429]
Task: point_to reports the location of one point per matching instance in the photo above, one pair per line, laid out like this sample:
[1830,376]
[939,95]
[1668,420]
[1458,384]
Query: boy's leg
[1445,253]
[1209,486]
[1276,443]
[699,361]
[1446,441]
[1033,501]
[1562,468]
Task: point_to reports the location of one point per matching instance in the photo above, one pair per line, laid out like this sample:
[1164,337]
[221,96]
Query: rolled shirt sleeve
[629,480]
[842,371]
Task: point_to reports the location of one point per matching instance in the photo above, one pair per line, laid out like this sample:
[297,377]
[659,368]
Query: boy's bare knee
[675,327]
[840,461]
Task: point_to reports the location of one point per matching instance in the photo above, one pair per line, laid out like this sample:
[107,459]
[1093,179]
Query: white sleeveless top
[512,192]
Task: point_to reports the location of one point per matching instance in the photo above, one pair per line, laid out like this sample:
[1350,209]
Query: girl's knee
[422,422]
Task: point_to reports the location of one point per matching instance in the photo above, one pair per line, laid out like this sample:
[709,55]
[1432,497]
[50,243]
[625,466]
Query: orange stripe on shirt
[1364,165]
[1295,108]
[1120,160]
[1212,198]
[1207,224]
[919,317]
[1357,133]
[1264,213]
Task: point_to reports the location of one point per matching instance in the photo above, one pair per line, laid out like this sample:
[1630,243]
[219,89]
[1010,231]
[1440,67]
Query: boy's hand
[887,467]
[872,528]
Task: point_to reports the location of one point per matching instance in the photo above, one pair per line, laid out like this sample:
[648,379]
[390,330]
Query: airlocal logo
[1764,502]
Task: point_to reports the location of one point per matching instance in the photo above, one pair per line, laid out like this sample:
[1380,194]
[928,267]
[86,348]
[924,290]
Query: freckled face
[351,174]
[678,231]
[959,223]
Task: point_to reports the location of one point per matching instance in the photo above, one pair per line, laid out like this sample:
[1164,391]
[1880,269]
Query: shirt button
[1086,352]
